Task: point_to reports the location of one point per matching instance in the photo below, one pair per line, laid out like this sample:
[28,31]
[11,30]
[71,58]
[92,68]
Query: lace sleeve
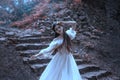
[50,49]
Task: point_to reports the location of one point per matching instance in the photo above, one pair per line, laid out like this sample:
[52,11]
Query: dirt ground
[11,65]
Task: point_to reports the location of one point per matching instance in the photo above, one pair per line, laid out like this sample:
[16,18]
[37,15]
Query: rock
[36,33]
[2,39]
[87,34]
[48,28]
[2,22]
[34,39]
[36,60]
[75,16]
[26,46]
[82,18]
[85,25]
[68,12]
[81,37]
[89,45]
[28,31]
[82,13]
[67,18]
[96,74]
[22,36]
[84,68]
[97,32]
[94,37]
[9,34]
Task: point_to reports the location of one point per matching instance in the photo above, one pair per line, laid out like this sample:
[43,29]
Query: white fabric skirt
[61,67]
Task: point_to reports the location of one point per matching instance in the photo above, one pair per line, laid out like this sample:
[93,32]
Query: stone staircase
[27,46]
[30,45]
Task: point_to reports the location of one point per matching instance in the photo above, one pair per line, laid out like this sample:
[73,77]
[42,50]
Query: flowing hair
[66,39]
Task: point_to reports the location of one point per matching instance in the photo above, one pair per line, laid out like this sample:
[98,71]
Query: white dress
[62,66]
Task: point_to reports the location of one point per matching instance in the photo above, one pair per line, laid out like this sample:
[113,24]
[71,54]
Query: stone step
[83,68]
[84,78]
[82,18]
[81,61]
[32,46]
[38,68]
[96,74]
[83,22]
[40,60]
[27,53]
[109,76]
[35,39]
[76,56]
[37,34]
[3,39]
[1,31]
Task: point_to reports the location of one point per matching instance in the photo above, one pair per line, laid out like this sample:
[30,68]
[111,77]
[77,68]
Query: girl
[62,66]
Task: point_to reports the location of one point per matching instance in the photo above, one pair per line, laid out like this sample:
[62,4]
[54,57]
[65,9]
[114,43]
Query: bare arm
[72,23]
[74,26]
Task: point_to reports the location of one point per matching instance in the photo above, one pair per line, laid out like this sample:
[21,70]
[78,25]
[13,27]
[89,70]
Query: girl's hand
[33,57]
[74,26]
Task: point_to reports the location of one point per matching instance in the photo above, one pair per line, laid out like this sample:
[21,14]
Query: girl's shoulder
[57,40]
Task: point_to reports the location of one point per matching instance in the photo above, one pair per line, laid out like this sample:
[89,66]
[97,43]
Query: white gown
[62,66]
